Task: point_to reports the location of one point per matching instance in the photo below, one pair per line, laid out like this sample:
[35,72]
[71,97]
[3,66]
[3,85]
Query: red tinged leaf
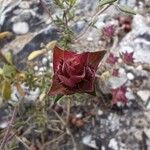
[128,58]
[118,95]
[58,56]
[108,31]
[115,72]
[94,58]
[74,72]
[112,59]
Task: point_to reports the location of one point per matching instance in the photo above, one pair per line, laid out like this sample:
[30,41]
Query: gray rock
[87,140]
[138,40]
[144,95]
[116,82]
[113,144]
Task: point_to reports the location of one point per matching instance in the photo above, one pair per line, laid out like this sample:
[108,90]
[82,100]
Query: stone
[144,95]
[24,5]
[90,39]
[130,76]
[137,40]
[138,135]
[36,68]
[79,26]
[87,140]
[99,112]
[116,82]
[147,132]
[140,67]
[21,27]
[113,144]
[42,69]
[44,61]
[3,125]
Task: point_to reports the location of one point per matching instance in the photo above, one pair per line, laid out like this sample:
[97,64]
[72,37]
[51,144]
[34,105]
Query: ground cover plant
[46,107]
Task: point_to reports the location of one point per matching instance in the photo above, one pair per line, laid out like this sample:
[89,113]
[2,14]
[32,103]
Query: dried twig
[93,20]
[67,130]
[4,141]
[115,42]
[21,141]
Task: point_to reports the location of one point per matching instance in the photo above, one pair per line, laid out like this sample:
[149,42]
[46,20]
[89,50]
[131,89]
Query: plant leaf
[5,35]
[6,89]
[9,71]
[72,2]
[19,89]
[92,93]
[1,71]
[8,56]
[57,98]
[126,9]
[36,53]
[95,57]
[104,2]
[51,44]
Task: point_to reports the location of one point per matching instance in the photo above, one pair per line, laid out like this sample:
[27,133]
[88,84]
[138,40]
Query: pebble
[36,68]
[103,148]
[3,125]
[33,95]
[44,60]
[113,144]
[21,27]
[120,60]
[148,106]
[144,95]
[129,94]
[138,135]
[24,5]
[99,112]
[130,76]
[90,39]
[87,140]
[79,115]
[115,82]
[147,132]
[42,69]
[139,67]
[122,71]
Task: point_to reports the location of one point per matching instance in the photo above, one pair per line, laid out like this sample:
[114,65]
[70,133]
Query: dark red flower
[74,72]
[118,95]
[108,31]
[128,57]
[112,59]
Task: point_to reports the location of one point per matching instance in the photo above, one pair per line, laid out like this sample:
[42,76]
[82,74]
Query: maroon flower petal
[74,72]
[72,81]
[66,81]
[59,55]
[75,65]
[94,58]
[77,78]
[86,86]
[56,88]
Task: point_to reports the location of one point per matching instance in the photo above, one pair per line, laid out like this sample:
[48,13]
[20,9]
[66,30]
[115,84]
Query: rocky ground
[105,128]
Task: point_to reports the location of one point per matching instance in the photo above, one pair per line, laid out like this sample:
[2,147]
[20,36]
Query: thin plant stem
[2,145]
[93,20]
